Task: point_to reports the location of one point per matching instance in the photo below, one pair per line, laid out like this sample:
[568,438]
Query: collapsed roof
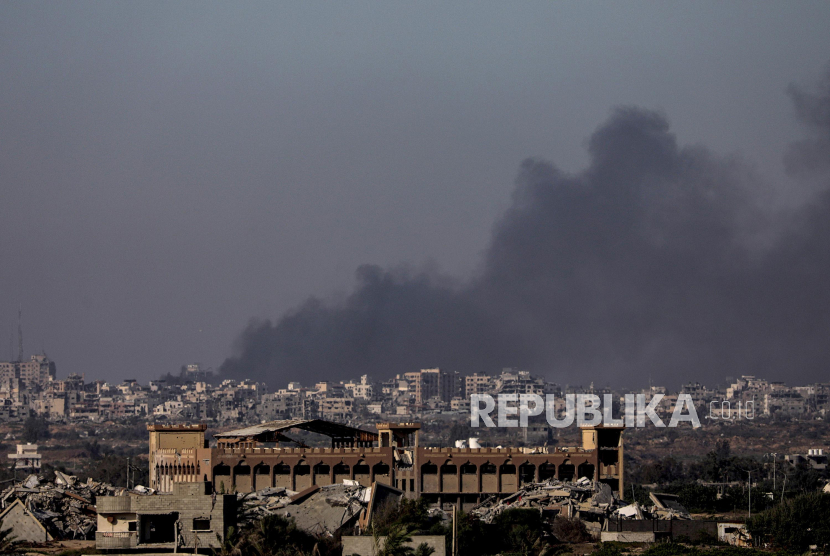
[271,431]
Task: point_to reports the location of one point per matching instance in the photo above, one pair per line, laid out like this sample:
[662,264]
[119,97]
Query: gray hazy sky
[170,170]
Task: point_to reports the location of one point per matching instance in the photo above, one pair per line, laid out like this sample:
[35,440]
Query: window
[201,524]
[132,526]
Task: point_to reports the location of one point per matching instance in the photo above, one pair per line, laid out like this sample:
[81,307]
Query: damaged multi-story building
[190,516]
[265,455]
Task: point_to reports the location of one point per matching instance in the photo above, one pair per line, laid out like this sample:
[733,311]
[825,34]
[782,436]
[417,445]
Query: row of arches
[489,477]
[242,477]
[168,473]
[505,476]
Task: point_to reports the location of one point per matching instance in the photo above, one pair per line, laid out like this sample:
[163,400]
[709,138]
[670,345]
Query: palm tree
[424,550]
[231,545]
[395,544]
[7,541]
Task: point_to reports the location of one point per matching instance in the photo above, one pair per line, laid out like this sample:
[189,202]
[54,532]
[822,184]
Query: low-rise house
[190,517]
[815,458]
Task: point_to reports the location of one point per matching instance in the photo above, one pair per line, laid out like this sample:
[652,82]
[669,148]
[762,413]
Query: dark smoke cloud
[655,261]
[813,110]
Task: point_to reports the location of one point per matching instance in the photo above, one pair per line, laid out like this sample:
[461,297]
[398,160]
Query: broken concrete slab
[326,510]
[24,525]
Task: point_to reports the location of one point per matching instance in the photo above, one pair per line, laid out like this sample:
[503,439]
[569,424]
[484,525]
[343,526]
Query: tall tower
[20,334]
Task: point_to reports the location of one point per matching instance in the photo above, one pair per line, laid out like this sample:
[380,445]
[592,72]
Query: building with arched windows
[263,456]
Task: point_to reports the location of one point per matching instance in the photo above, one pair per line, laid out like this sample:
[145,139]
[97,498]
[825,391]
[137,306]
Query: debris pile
[583,498]
[65,506]
[322,511]
[319,510]
[254,506]
[666,506]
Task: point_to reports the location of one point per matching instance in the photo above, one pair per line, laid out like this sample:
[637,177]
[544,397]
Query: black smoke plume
[658,260]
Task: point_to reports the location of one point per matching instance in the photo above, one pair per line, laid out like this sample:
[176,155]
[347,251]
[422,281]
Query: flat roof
[177,428]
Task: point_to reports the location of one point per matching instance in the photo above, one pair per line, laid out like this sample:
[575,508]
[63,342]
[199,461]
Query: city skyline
[169,174]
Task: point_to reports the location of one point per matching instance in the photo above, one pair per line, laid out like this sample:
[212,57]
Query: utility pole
[454,530]
[750,493]
[774,456]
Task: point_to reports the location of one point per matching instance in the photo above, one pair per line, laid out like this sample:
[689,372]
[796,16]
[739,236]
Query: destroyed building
[264,456]
[26,458]
[63,509]
[191,516]
[24,525]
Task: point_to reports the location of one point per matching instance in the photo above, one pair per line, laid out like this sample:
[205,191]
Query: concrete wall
[188,502]
[627,536]
[365,546]
[666,528]
[25,527]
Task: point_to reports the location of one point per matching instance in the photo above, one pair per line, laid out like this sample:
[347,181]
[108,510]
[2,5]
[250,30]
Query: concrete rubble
[65,507]
[254,506]
[584,499]
[319,510]
[323,511]
[666,506]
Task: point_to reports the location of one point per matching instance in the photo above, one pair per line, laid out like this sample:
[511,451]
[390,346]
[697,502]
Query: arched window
[566,471]
[547,471]
[468,469]
[527,473]
[221,470]
[586,470]
[429,469]
[449,468]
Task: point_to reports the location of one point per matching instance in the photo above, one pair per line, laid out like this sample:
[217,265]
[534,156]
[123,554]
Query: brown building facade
[257,457]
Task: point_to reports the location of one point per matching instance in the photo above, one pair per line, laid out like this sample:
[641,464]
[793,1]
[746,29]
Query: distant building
[815,458]
[363,389]
[280,406]
[36,372]
[477,384]
[514,381]
[335,408]
[26,458]
[432,383]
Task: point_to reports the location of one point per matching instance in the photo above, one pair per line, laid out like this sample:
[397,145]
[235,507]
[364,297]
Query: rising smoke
[657,260]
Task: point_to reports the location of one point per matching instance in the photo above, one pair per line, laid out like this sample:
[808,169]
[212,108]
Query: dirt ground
[56,547]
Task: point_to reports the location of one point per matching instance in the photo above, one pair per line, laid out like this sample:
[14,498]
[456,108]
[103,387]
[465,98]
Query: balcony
[116,540]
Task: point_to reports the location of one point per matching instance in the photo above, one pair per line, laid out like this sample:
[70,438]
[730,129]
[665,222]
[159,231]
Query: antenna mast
[20,334]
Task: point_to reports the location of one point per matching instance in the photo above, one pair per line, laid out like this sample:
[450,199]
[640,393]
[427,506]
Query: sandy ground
[85,547]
